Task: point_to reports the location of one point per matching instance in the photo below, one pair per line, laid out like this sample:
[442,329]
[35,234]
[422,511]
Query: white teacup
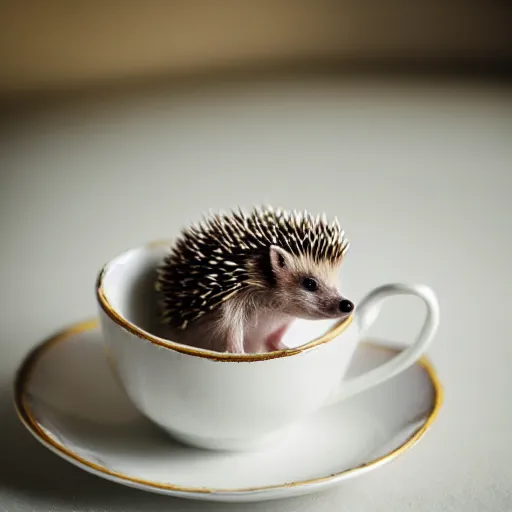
[228,401]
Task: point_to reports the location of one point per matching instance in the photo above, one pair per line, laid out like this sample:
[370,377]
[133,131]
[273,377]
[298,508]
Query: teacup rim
[333,332]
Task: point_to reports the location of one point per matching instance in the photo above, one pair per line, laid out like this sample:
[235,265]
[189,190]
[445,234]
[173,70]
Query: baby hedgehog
[235,282]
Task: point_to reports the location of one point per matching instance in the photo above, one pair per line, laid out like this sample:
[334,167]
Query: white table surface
[420,177]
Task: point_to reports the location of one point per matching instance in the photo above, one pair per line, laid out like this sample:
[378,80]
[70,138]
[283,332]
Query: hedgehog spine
[225,253]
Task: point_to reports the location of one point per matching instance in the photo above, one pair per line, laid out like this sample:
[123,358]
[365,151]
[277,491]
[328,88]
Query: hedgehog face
[305,289]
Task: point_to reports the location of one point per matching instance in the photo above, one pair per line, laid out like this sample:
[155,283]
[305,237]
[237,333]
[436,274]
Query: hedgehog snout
[346,306]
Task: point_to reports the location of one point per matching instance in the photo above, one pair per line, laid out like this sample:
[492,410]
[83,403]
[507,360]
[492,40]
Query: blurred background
[58,46]
[122,121]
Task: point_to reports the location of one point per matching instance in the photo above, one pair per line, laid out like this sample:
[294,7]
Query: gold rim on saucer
[26,416]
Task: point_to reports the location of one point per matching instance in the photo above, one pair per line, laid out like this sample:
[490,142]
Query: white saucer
[68,399]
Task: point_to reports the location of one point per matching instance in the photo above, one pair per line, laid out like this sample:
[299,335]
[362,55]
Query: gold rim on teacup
[124,323]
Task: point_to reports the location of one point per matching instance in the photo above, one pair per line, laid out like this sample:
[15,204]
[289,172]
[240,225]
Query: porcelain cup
[225,401]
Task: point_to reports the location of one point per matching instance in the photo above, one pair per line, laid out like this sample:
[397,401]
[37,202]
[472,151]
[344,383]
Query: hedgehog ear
[280,259]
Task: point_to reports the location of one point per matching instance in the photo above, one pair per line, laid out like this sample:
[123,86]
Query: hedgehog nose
[346,306]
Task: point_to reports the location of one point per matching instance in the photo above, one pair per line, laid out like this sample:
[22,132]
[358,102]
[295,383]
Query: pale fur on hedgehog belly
[264,332]
[260,331]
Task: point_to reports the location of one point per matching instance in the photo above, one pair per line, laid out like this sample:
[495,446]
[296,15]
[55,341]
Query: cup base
[229,445]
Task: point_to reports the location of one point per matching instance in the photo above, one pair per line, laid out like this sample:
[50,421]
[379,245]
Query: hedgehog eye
[309,284]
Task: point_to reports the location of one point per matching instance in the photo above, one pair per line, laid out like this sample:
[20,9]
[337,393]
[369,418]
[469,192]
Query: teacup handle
[365,315]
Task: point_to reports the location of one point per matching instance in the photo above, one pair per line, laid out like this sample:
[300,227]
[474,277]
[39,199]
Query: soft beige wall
[52,42]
